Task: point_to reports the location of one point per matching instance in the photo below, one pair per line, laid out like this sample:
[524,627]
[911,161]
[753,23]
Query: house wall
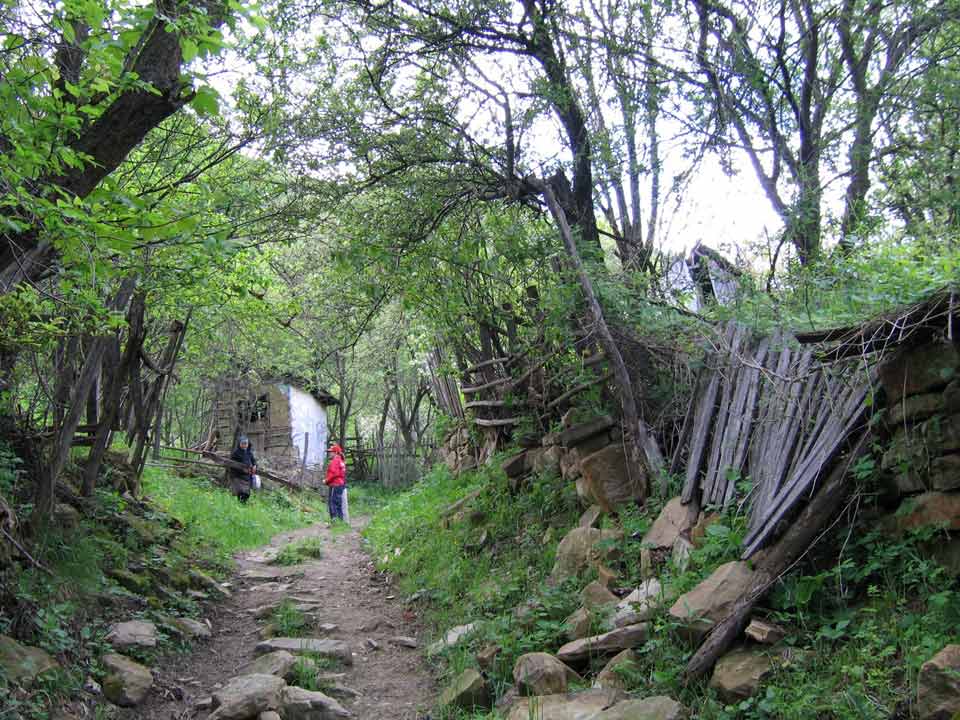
[307,416]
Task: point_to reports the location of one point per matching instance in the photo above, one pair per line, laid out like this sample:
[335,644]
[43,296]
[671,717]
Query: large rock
[333,649]
[299,704]
[133,633]
[614,641]
[540,673]
[127,683]
[591,517]
[914,409]
[579,435]
[21,663]
[674,520]
[66,516]
[452,637]
[468,691]
[711,600]
[278,662]
[916,370]
[578,551]
[595,596]
[764,632]
[579,624]
[515,466]
[945,472]
[938,686]
[610,677]
[639,605]
[932,509]
[738,674]
[608,481]
[583,705]
[658,707]
[246,696]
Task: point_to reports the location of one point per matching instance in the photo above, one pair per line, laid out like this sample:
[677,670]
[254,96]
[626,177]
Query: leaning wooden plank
[700,434]
[688,418]
[807,473]
[748,408]
[796,542]
[486,363]
[715,474]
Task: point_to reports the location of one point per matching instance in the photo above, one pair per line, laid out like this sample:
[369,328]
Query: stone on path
[300,704]
[246,696]
[738,674]
[468,690]
[609,677]
[452,637]
[404,641]
[658,707]
[269,715]
[133,633]
[23,663]
[334,649]
[584,705]
[278,662]
[540,673]
[612,642]
[938,686]
[127,682]
[191,628]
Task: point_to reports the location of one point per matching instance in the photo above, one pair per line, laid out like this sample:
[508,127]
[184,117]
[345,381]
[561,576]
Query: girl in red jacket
[336,479]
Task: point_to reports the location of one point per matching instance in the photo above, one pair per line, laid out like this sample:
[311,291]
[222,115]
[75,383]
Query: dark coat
[243,456]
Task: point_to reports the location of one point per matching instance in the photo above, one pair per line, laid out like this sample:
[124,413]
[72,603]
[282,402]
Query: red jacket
[336,472]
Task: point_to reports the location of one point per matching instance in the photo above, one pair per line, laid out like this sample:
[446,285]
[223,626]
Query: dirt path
[393,681]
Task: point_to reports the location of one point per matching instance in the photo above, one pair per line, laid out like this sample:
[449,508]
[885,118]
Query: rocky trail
[375,667]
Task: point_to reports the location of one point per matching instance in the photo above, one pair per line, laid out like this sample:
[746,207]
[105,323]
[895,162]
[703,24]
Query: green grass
[369,498]
[288,621]
[300,551]
[215,519]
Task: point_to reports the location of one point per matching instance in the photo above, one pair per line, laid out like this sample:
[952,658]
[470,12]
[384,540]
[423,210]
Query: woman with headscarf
[242,478]
[336,480]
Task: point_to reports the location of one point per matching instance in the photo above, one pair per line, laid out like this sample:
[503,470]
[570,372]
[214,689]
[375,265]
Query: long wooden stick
[797,541]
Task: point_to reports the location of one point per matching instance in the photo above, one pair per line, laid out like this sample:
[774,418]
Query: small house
[285,421]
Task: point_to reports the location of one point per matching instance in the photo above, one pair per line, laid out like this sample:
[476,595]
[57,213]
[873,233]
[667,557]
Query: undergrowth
[862,613]
[299,551]
[215,519]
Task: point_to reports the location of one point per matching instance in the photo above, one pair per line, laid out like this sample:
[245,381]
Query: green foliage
[300,551]
[215,520]
[290,621]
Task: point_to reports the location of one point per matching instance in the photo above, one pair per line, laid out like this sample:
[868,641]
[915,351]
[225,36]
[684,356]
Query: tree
[792,83]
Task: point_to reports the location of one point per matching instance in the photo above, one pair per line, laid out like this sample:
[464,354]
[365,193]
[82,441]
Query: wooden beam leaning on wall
[812,523]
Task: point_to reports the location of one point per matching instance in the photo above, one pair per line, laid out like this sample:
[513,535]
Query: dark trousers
[335,502]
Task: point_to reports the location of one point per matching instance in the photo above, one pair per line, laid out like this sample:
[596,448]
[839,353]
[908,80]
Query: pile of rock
[589,453]
[457,451]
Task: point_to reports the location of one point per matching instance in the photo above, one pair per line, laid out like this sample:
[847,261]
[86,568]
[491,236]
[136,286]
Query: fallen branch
[228,463]
[804,532]
[33,561]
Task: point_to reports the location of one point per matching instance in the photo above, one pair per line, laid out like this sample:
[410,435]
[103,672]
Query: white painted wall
[307,416]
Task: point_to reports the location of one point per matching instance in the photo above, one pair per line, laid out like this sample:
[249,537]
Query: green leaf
[206,101]
[188,48]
